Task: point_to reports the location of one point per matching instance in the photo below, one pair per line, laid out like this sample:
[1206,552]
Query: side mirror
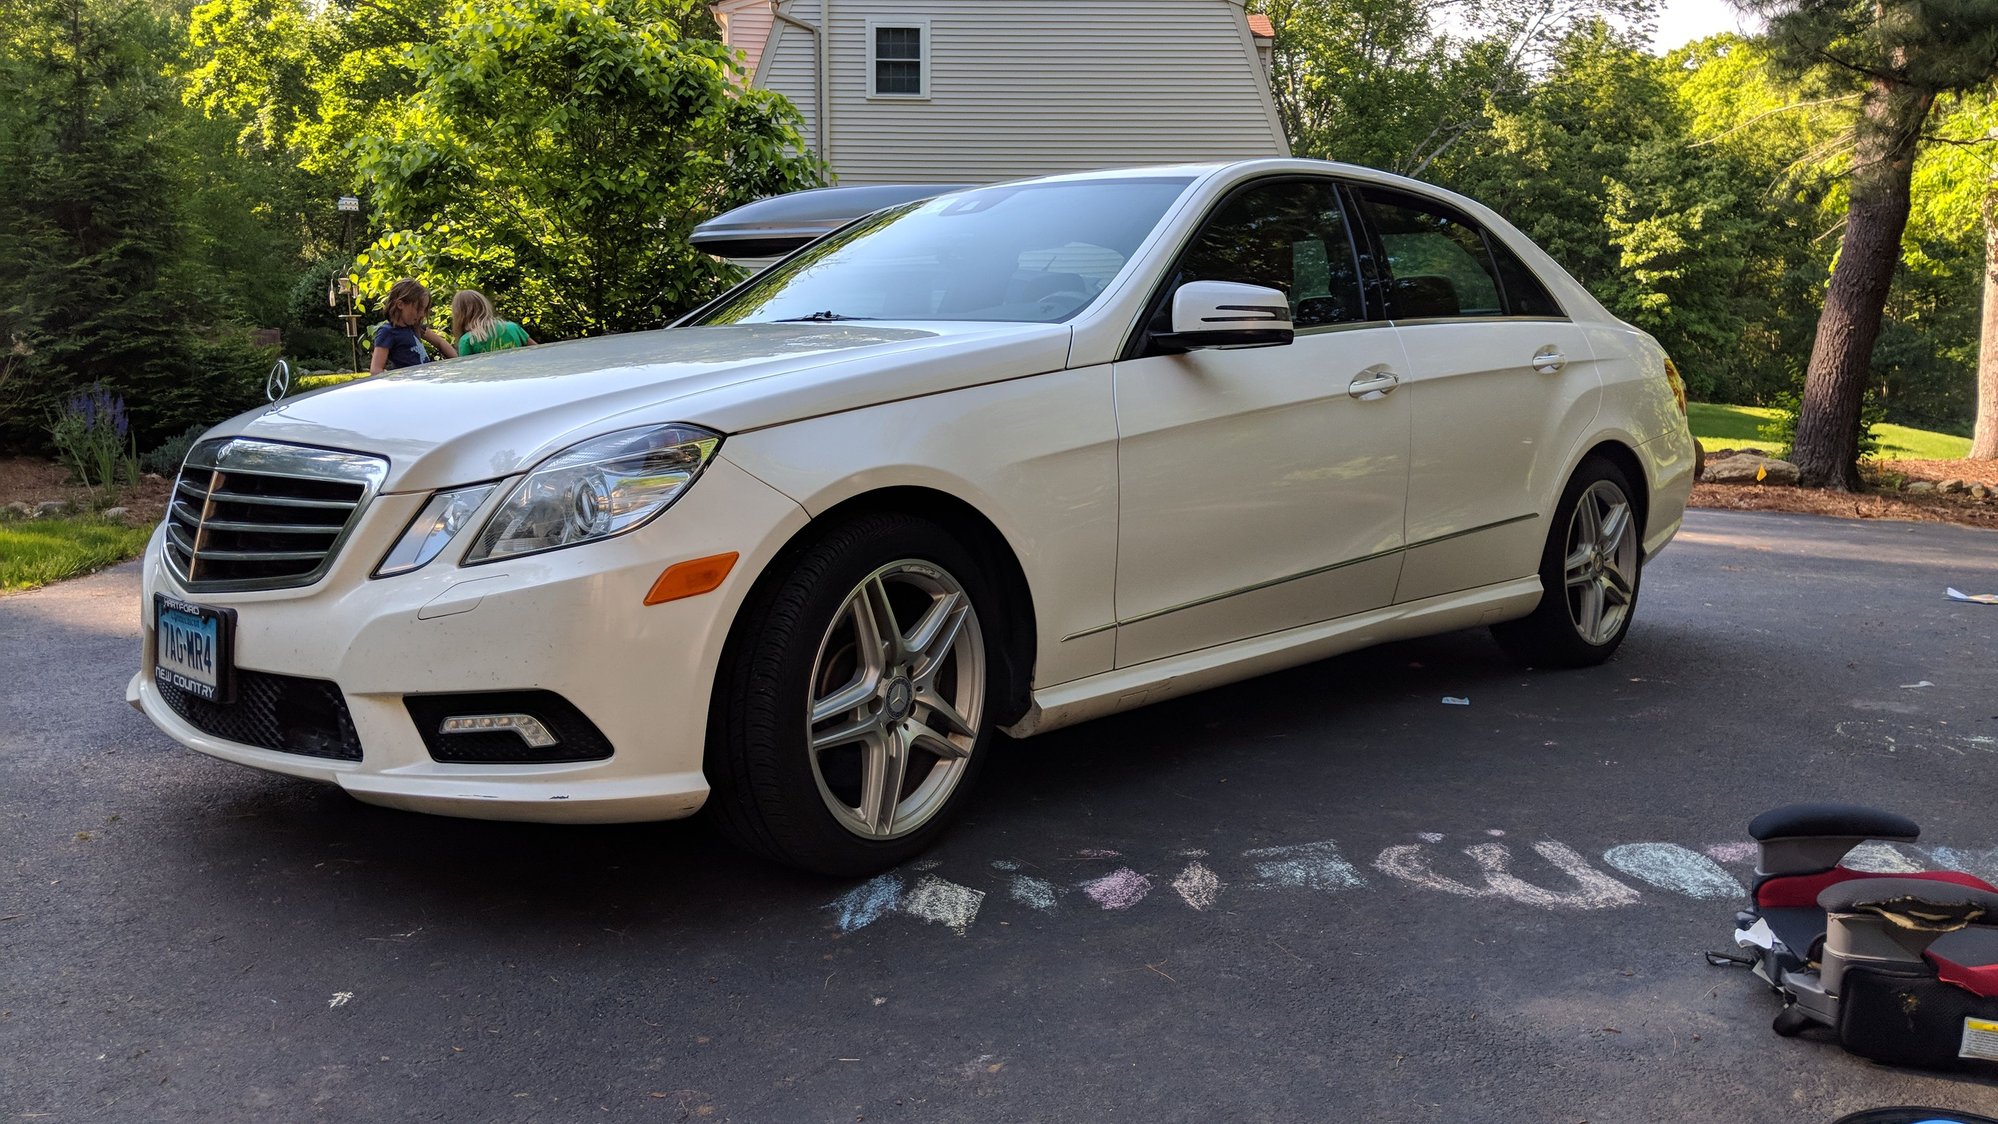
[1227,314]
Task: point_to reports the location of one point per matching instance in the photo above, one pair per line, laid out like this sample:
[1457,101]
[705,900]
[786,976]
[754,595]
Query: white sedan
[1003,460]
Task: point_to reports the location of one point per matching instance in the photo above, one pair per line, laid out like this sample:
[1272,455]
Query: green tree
[1367,81]
[1903,54]
[557,153]
[1770,147]
[1383,83]
[95,279]
[1601,166]
[1955,190]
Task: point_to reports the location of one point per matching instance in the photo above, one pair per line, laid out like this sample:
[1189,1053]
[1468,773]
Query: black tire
[1553,636]
[767,793]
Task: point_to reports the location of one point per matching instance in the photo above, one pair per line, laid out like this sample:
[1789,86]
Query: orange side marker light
[691,578]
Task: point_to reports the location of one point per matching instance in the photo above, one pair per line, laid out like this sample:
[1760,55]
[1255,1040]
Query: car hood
[481,417]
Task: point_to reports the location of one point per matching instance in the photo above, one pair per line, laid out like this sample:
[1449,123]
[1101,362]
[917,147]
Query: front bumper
[570,621]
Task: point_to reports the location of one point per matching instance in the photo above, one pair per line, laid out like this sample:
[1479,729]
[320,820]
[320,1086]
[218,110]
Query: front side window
[1038,252]
[1289,235]
[897,62]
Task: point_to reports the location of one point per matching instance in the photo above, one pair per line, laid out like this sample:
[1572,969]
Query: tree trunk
[1984,439]
[1888,133]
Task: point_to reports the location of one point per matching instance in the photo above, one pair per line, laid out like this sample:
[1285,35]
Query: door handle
[1372,383]
[1548,360]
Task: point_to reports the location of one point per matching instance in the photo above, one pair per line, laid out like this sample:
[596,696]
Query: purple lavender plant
[93,434]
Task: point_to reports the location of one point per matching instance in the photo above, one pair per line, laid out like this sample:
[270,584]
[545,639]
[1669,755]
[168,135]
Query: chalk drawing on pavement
[1488,871]
[1669,866]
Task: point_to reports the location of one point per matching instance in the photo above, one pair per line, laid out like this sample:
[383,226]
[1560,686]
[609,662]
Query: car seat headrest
[1424,296]
[1846,821]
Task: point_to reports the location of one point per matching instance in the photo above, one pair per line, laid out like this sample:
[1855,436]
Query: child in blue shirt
[399,343]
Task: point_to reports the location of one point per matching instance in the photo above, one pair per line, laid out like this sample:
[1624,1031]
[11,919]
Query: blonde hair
[472,315]
[408,291]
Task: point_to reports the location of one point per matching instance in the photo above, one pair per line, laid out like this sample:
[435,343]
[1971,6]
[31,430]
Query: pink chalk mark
[1733,852]
[1120,889]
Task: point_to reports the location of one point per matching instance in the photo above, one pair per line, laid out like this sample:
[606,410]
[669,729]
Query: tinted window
[1036,251]
[1289,236]
[1524,294]
[898,60]
[1436,258]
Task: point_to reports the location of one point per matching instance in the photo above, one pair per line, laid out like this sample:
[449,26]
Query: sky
[1679,21]
[1682,21]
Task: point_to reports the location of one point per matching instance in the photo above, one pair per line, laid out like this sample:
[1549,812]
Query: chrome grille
[260,515]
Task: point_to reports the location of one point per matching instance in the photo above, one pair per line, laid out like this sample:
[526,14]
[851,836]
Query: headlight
[605,486]
[433,529]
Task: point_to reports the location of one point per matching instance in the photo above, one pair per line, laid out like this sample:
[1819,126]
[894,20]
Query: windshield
[1027,252]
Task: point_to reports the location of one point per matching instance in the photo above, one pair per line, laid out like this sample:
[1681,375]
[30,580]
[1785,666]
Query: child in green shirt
[477,329]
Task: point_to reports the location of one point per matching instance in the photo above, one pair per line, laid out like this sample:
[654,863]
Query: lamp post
[348,206]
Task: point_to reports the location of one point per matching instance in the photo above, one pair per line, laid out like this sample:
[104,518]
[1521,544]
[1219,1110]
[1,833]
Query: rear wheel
[850,715]
[1589,573]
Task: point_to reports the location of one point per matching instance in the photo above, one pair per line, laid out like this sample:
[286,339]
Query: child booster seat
[1903,968]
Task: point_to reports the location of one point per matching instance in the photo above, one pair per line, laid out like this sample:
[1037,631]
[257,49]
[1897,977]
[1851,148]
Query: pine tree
[90,231]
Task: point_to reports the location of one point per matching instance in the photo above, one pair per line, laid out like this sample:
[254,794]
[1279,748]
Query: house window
[898,60]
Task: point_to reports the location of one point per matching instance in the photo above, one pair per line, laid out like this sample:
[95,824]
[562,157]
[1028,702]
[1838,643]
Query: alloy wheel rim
[896,695]
[1600,569]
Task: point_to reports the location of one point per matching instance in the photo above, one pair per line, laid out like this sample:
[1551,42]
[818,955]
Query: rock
[48,509]
[114,514]
[1952,487]
[1699,461]
[1979,492]
[19,510]
[1921,487]
[1741,469]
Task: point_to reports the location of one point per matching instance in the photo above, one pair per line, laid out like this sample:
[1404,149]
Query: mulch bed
[1881,502]
[32,481]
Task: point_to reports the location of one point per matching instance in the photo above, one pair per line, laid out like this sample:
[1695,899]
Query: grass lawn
[37,552]
[1734,427]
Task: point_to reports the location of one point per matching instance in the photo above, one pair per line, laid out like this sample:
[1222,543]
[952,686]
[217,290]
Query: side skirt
[1128,688]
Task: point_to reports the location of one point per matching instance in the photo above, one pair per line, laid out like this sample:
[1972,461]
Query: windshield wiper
[821,317]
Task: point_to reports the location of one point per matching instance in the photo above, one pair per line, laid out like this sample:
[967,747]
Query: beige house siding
[745,27]
[1031,87]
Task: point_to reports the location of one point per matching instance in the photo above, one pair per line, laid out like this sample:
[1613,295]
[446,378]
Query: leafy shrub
[93,435]
[1782,429]
[166,460]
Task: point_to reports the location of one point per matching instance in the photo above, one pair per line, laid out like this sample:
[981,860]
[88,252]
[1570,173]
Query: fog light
[527,726]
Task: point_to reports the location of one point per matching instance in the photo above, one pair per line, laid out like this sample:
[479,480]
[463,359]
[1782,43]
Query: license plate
[191,644]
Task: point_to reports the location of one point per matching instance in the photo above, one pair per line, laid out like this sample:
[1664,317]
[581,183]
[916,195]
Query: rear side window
[1437,261]
[1524,294]
[1288,235]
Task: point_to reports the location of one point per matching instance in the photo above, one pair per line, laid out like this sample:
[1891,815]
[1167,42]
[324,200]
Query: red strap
[1797,891]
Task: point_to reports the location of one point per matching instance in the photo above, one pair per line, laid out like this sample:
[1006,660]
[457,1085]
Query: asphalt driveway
[1323,895]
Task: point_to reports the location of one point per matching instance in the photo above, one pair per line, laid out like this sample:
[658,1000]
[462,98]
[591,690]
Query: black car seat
[1902,967]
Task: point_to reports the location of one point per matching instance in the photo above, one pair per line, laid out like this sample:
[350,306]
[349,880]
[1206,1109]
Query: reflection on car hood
[486,416]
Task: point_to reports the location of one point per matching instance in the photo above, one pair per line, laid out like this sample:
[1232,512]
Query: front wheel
[850,715]
[1589,574]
